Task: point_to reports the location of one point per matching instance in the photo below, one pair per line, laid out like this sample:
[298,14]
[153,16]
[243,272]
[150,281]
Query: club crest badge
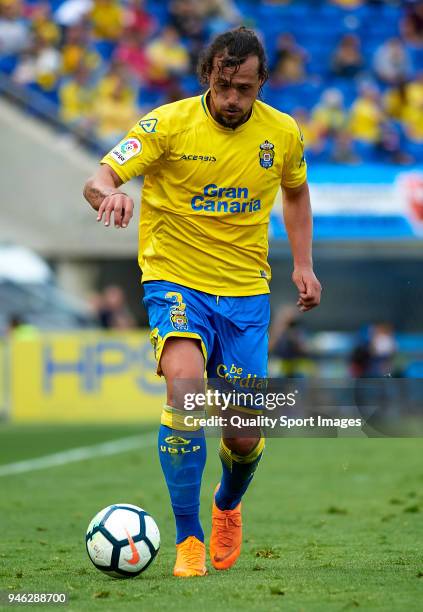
[177,313]
[266,154]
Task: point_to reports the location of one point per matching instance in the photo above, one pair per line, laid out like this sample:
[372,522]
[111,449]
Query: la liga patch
[125,150]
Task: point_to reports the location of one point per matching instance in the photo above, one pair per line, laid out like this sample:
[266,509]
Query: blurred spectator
[408,104]
[76,98]
[347,60]
[367,115]
[167,55]
[14,29]
[116,75]
[392,63]
[388,147]
[413,120]
[287,341]
[288,65]
[383,348]
[77,48]
[18,328]
[374,355]
[136,17]
[343,149]
[219,14]
[43,24]
[175,90]
[72,12]
[395,100]
[113,114]
[360,360]
[348,4]
[187,19]
[329,115]
[131,52]
[412,24]
[309,129]
[415,89]
[40,65]
[113,310]
[107,18]
[224,10]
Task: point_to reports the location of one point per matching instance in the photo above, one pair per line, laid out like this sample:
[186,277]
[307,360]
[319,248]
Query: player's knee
[182,393]
[182,364]
[242,446]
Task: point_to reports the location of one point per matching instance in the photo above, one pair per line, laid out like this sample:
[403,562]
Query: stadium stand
[350,71]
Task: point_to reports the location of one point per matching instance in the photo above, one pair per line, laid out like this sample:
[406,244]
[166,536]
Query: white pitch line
[114,447]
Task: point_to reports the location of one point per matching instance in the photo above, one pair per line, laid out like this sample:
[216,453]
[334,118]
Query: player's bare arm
[299,226]
[101,191]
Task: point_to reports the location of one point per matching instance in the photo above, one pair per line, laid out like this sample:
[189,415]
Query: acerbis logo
[192,157]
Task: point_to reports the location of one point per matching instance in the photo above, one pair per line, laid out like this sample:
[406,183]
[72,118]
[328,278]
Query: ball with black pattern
[122,540]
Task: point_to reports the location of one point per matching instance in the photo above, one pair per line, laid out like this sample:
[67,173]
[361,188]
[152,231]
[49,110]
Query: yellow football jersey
[208,192]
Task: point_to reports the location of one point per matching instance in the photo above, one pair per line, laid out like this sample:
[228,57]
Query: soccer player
[212,166]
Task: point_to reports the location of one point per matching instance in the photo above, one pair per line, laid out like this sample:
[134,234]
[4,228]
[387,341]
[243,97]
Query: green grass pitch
[330,524]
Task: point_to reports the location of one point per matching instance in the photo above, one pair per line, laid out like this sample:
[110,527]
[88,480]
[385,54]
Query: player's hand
[309,288]
[118,205]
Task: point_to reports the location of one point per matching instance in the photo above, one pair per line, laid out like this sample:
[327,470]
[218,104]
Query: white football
[122,540]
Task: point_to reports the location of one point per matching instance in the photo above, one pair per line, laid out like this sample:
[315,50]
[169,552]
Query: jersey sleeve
[294,172]
[142,149]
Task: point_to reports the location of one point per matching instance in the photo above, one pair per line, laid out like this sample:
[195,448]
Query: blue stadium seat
[151,97]
[51,95]
[414,370]
[410,342]
[348,88]
[53,3]
[8,63]
[327,11]
[158,10]
[416,56]
[190,84]
[365,150]
[105,49]
[415,149]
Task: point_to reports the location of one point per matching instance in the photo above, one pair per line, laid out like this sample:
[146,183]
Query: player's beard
[232,123]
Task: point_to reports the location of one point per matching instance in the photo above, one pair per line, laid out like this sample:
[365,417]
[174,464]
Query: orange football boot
[190,558]
[226,536]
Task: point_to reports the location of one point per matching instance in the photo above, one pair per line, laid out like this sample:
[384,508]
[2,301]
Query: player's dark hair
[235,46]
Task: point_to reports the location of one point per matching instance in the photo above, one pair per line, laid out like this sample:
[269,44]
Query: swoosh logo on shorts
[135,554]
